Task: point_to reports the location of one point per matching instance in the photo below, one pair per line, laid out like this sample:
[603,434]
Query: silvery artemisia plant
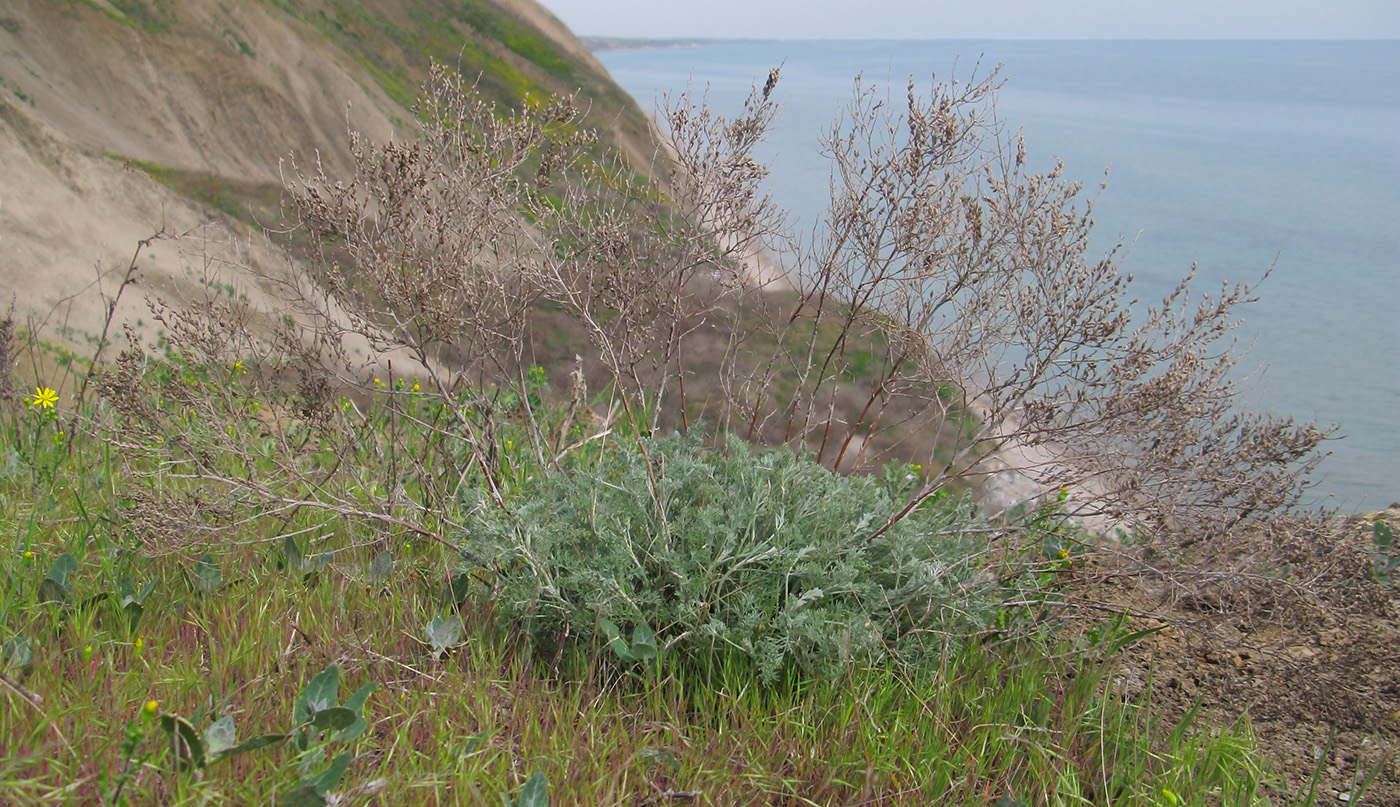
[765,555]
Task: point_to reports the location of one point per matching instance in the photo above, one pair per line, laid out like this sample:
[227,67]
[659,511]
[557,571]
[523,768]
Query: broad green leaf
[49,591]
[313,789]
[335,718]
[535,793]
[18,654]
[185,743]
[615,640]
[256,743]
[220,737]
[380,567]
[206,575]
[62,567]
[1384,536]
[663,757]
[459,589]
[316,563]
[129,594]
[356,704]
[303,796]
[292,554]
[95,599]
[133,612]
[643,642]
[56,586]
[476,741]
[443,634]
[319,694]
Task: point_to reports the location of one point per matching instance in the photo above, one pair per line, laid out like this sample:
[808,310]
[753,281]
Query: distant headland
[599,44]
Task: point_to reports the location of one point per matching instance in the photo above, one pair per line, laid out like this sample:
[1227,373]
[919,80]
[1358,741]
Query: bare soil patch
[1288,628]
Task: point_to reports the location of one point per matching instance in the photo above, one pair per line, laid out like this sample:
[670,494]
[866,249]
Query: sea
[1240,157]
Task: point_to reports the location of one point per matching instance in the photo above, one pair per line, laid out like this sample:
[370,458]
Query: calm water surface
[1237,156]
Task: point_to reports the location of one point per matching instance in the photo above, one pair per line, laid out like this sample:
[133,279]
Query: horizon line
[708,39]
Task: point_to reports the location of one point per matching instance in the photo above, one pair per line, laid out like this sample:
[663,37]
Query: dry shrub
[948,312]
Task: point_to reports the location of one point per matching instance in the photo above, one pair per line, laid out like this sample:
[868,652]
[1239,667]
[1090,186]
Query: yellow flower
[138,644]
[28,555]
[1062,554]
[87,653]
[416,388]
[43,398]
[151,708]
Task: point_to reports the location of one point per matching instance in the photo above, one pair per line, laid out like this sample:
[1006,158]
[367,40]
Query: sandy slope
[227,88]
[80,89]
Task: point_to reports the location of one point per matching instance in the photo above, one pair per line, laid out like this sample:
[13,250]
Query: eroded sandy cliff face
[123,118]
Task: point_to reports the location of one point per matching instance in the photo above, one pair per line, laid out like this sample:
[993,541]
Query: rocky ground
[1291,629]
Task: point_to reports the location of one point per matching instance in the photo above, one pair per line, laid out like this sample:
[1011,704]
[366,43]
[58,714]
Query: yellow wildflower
[138,644]
[151,708]
[43,398]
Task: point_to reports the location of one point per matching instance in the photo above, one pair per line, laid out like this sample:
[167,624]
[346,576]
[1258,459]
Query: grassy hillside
[347,524]
[293,634]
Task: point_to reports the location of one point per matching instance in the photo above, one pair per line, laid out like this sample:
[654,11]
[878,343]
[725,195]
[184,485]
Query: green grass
[250,202]
[994,721]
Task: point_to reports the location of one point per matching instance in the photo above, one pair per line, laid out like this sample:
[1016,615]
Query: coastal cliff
[121,118]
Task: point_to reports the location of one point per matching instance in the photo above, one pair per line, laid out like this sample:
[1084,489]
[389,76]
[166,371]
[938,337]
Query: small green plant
[443,634]
[131,601]
[317,722]
[194,749]
[206,578]
[57,585]
[380,567]
[17,655]
[535,793]
[297,561]
[1384,554]
[133,738]
[641,648]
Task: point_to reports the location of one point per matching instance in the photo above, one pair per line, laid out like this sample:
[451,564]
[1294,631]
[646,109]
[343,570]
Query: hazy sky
[984,19]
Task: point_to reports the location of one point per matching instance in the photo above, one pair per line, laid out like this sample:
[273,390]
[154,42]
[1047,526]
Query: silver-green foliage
[721,551]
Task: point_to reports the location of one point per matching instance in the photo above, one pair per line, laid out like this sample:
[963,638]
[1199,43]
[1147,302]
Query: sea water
[1236,156]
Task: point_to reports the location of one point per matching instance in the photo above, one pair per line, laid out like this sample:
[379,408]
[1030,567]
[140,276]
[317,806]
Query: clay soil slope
[123,118]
